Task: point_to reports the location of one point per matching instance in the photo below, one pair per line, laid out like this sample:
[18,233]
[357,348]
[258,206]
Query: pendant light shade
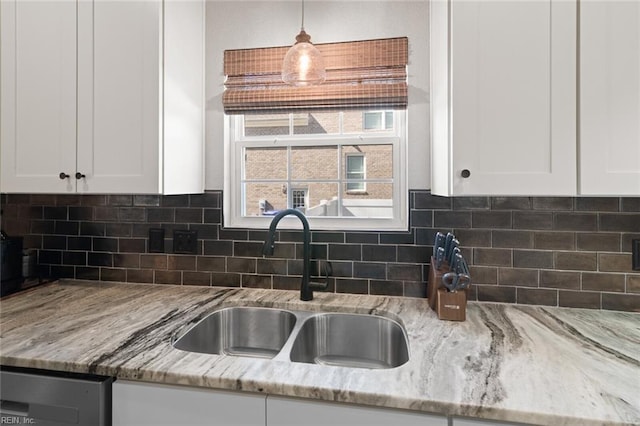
[303,64]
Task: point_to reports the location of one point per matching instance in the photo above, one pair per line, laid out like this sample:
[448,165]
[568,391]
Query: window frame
[235,142]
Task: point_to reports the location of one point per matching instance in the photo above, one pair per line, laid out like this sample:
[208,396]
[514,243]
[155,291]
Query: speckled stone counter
[531,364]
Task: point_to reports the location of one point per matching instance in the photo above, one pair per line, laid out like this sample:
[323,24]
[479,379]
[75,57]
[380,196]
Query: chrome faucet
[306,287]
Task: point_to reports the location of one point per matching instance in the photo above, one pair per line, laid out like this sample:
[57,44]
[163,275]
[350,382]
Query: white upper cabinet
[119,88]
[503,87]
[38,96]
[610,98]
[139,104]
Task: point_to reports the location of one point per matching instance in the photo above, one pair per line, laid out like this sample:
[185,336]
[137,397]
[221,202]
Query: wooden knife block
[435,280]
[448,306]
[451,306]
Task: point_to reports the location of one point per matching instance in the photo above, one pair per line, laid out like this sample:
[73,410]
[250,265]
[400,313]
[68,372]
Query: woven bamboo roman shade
[360,74]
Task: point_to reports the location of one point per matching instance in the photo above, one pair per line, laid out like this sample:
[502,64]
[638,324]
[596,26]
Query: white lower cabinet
[476,422]
[138,404]
[295,412]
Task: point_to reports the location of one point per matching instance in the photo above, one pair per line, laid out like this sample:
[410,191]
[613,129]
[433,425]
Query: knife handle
[465,267]
[439,257]
[438,241]
[447,243]
[453,249]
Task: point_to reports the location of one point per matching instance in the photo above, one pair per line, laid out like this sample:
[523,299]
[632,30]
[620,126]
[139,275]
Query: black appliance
[11,267]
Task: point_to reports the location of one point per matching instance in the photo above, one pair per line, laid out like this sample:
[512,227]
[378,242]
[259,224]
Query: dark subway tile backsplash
[503,294]
[537,296]
[491,219]
[532,220]
[575,222]
[579,299]
[560,279]
[558,251]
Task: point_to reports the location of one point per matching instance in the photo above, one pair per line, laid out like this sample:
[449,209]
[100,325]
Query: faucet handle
[322,268]
[318,286]
[268,247]
[328,270]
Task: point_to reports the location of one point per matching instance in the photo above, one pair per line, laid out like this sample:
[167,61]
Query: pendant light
[303,64]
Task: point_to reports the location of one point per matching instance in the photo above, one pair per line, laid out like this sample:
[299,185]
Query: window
[336,150]
[299,198]
[378,120]
[327,164]
[355,170]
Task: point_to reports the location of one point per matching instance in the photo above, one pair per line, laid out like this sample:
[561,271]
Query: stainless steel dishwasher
[43,397]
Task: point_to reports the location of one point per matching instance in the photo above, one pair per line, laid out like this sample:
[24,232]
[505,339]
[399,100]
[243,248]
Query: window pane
[265,163]
[369,121]
[316,123]
[323,199]
[378,160]
[355,166]
[299,198]
[314,162]
[376,202]
[356,187]
[388,120]
[372,120]
[266,125]
[355,170]
[264,198]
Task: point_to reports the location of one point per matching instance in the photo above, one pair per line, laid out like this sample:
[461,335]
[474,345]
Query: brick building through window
[334,169]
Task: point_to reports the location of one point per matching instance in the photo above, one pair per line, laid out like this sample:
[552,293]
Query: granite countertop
[552,366]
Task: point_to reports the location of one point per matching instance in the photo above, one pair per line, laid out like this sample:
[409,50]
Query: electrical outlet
[185,242]
[635,254]
[156,240]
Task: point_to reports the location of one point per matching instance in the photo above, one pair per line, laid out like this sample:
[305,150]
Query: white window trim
[234,144]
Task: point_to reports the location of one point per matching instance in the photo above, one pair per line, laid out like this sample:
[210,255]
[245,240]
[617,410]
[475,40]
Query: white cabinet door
[124,110]
[38,87]
[503,97]
[610,97]
[141,96]
[139,404]
[295,412]
[119,95]
[183,137]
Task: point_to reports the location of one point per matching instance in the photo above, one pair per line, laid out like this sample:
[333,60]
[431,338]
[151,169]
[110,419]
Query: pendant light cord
[302,25]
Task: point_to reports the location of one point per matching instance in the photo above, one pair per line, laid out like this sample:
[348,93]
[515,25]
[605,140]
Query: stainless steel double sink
[326,338]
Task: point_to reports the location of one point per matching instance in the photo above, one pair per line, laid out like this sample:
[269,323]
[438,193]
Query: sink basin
[244,331]
[335,339]
[351,340]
